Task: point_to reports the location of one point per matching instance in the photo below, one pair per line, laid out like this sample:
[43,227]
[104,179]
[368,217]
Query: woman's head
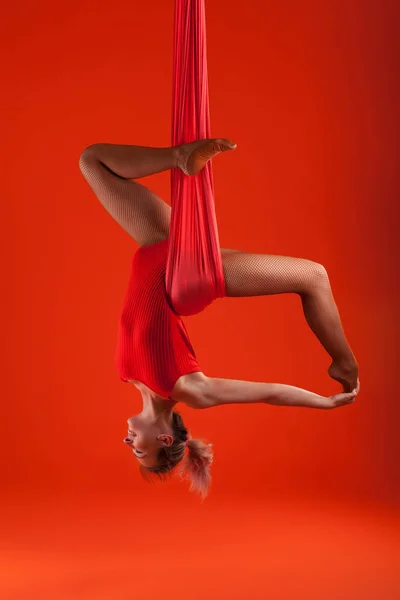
[161,448]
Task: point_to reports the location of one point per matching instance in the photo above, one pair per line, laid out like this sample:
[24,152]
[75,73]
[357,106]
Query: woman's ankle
[181,155]
[346,364]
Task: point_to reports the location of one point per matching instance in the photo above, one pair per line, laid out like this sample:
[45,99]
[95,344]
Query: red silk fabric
[194,274]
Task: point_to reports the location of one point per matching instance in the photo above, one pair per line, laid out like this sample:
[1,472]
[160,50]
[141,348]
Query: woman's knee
[319,277]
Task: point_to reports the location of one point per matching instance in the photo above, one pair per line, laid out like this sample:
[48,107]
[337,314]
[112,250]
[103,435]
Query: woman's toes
[226,144]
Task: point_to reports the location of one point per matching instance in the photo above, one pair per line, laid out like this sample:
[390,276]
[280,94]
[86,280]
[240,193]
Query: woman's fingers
[343,398]
[340,399]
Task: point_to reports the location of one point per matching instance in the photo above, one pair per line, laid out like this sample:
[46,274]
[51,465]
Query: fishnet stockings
[109,168]
[249,274]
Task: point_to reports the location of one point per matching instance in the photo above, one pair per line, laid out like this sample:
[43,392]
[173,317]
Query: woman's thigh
[249,274]
[138,210]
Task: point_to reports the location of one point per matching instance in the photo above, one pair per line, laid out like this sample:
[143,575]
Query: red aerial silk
[194,274]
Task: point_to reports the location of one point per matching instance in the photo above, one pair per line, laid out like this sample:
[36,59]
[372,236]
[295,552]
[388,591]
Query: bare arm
[229,391]
[216,392]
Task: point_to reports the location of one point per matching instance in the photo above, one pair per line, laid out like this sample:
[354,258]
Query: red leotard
[153,346]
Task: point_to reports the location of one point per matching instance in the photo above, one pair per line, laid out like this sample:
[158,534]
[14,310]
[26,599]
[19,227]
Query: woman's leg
[109,169]
[249,274]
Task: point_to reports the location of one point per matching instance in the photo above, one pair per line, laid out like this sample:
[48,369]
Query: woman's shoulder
[190,389]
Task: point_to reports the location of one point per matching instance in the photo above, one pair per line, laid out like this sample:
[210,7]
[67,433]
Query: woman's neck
[155,407]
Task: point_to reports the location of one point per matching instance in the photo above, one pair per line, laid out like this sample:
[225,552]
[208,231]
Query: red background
[308,90]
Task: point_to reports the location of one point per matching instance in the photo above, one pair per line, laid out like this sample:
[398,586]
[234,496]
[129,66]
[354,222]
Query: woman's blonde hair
[195,466]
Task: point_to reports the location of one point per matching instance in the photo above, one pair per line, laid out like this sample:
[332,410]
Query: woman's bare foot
[193,157]
[346,374]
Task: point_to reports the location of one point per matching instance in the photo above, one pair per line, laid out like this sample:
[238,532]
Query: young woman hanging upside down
[154,352]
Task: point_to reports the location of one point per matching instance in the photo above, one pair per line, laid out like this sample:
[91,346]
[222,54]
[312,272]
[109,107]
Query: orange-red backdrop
[308,92]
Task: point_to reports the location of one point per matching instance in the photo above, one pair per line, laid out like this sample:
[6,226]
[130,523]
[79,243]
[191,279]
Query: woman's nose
[128,440]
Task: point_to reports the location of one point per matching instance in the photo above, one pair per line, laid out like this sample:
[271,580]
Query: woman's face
[145,440]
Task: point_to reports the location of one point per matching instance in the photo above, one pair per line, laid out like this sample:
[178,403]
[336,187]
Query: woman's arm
[211,391]
[230,391]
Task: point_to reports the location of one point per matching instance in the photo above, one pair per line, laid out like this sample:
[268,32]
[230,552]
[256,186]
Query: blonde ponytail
[196,466]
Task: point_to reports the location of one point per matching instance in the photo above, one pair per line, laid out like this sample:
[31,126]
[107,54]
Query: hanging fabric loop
[194,274]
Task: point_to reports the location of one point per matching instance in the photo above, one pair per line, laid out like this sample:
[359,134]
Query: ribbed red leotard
[153,346]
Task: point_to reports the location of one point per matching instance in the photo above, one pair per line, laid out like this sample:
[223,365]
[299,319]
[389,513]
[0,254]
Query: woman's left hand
[339,400]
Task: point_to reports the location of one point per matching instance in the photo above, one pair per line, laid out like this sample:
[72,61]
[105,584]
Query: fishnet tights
[109,169]
[249,274]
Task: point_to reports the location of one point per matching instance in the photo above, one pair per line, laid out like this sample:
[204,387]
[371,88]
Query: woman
[154,352]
